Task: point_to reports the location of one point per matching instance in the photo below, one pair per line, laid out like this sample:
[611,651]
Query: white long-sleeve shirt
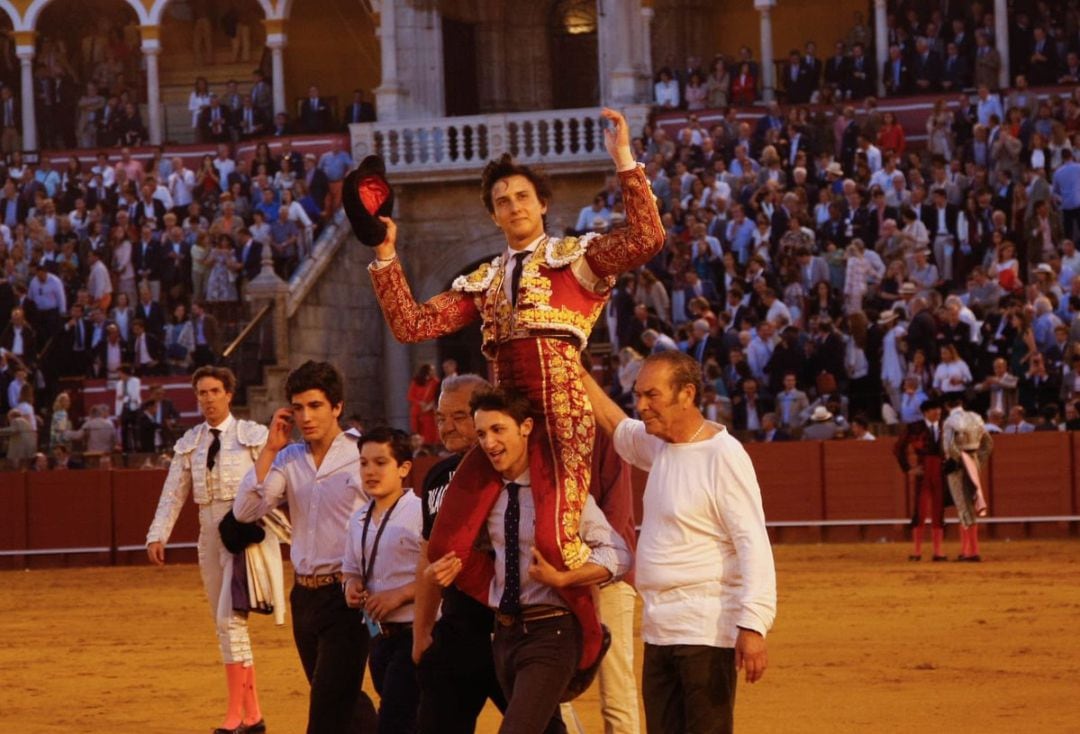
[704,563]
[321,501]
[398,549]
[607,547]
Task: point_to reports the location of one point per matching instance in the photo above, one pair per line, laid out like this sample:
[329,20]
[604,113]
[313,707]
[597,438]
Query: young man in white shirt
[381,553]
[537,641]
[704,565]
[319,479]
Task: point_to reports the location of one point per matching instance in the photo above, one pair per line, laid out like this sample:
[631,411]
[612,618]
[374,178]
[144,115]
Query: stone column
[276,41]
[881,43]
[390,94]
[24,49]
[768,68]
[615,36]
[647,15]
[266,288]
[1001,41]
[151,48]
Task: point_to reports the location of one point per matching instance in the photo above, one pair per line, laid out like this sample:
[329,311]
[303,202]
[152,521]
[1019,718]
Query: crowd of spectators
[932,48]
[829,277]
[111,266]
[89,96]
[86,96]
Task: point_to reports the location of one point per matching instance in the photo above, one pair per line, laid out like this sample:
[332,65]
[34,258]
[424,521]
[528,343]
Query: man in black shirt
[455,667]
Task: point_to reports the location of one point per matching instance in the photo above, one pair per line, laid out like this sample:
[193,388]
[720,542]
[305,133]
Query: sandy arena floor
[864,642]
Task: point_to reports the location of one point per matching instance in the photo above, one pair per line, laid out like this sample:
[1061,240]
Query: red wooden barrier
[192,154]
[790,476]
[862,480]
[1076,472]
[69,509]
[135,494]
[801,482]
[1032,475]
[12,517]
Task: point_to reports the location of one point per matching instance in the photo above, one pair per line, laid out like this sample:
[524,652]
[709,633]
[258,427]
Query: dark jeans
[534,661]
[457,677]
[688,689]
[332,641]
[394,677]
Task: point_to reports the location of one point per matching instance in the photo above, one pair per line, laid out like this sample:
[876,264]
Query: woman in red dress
[891,135]
[423,391]
[744,86]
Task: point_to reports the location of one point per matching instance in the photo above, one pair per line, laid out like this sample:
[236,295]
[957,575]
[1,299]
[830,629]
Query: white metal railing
[464,143]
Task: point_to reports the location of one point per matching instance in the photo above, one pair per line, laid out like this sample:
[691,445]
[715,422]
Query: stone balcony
[564,141]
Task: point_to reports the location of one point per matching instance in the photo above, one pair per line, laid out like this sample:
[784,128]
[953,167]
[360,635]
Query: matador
[537,303]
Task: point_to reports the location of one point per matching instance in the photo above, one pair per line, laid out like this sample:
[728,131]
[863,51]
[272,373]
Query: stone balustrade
[463,145]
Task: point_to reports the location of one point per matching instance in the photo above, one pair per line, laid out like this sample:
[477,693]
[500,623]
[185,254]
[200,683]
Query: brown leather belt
[531,614]
[389,629]
[318,580]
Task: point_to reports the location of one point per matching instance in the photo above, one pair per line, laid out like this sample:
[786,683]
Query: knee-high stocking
[252,712]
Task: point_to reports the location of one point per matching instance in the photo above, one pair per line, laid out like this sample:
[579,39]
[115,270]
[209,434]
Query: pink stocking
[252,712]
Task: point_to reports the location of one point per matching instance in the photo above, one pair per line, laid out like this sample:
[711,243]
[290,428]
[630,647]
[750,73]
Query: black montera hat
[366,196]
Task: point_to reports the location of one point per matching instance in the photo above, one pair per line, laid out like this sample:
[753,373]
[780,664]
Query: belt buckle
[505,620]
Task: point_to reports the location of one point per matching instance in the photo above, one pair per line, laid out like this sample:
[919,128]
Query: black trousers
[457,677]
[534,661]
[688,689]
[332,641]
[394,677]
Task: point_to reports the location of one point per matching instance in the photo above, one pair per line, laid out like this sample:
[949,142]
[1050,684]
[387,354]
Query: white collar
[522,480]
[531,247]
[225,425]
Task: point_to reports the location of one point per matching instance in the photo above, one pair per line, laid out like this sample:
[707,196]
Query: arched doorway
[575,79]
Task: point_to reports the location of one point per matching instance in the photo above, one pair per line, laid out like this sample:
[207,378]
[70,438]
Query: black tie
[510,603]
[215,446]
[515,279]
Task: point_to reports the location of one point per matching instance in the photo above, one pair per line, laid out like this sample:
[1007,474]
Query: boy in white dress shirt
[319,479]
[381,553]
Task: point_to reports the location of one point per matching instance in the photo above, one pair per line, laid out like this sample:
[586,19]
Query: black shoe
[914,557]
[973,559]
[240,729]
[259,727]
[939,559]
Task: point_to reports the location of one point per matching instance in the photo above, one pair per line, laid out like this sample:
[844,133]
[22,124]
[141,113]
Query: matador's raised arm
[643,236]
[416,322]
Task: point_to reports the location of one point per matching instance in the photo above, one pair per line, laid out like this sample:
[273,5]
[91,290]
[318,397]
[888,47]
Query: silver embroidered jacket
[241,442]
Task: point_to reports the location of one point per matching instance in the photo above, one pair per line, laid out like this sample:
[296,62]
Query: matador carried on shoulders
[537,302]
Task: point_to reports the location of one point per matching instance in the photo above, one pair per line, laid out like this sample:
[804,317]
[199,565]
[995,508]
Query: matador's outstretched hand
[617,139]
